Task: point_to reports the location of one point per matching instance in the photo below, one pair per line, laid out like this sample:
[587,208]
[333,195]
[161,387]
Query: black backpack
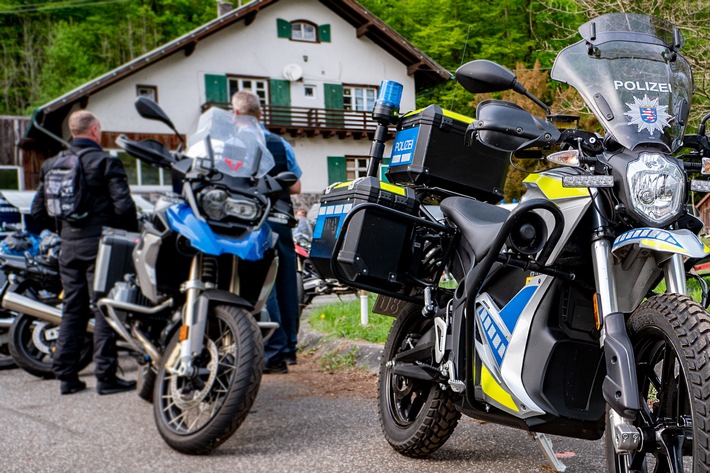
[65,188]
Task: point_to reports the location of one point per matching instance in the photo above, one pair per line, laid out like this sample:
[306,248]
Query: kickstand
[545,445]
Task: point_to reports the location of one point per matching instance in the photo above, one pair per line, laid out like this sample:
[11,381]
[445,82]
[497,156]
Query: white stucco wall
[256,50]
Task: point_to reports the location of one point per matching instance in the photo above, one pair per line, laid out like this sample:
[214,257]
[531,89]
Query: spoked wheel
[196,414]
[32,343]
[670,335]
[417,416]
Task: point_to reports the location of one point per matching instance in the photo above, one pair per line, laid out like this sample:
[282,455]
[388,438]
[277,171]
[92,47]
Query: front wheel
[196,414]
[417,417]
[670,334]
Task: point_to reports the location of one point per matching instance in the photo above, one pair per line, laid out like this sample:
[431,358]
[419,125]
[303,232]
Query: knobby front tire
[670,334]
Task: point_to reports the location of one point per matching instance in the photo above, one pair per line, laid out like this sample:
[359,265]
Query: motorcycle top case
[114,258]
[429,151]
[374,250]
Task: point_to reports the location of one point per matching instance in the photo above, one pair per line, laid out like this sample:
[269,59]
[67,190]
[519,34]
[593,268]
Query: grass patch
[338,361]
[694,290]
[342,319]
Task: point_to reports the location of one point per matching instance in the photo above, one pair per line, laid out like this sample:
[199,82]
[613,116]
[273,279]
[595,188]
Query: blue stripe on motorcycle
[251,246]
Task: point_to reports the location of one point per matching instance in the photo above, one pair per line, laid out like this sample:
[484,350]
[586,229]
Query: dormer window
[302,31]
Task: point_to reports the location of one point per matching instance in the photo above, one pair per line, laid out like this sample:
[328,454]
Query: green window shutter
[216,88]
[384,167]
[283,28]
[280,102]
[333,100]
[336,169]
[333,96]
[279,92]
[324,33]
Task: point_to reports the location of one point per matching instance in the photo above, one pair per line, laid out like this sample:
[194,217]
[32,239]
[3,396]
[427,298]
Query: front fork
[194,320]
[620,387]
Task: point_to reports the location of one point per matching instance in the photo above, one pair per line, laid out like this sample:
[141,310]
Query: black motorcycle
[558,324]
[34,279]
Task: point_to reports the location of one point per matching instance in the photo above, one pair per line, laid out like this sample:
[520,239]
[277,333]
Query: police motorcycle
[555,326]
[30,265]
[189,291]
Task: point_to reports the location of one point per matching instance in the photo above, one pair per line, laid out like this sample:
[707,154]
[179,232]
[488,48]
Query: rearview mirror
[150,110]
[482,76]
[286,179]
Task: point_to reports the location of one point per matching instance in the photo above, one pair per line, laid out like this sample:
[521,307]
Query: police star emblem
[648,115]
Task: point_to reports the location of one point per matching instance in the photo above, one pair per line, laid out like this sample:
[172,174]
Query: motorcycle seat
[479,222]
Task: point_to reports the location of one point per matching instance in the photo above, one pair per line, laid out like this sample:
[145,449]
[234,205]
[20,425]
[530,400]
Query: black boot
[114,385]
[71,386]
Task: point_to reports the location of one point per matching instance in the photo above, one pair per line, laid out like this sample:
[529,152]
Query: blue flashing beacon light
[390,94]
[387,104]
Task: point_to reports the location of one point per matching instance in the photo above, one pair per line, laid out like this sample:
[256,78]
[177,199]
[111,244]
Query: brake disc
[192,398]
[43,333]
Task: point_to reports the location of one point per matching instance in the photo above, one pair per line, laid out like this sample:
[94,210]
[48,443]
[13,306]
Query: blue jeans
[283,300]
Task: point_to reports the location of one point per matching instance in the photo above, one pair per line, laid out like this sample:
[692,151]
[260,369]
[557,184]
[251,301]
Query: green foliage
[50,49]
[342,319]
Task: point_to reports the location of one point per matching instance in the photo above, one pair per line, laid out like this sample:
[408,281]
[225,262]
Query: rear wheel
[196,414]
[32,344]
[670,334]
[417,417]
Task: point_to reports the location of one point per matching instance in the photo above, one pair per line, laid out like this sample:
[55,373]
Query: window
[309,91]
[355,167]
[302,31]
[141,174]
[12,178]
[149,91]
[361,99]
[259,86]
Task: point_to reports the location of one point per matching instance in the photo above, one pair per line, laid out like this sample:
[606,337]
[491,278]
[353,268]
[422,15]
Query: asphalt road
[290,429]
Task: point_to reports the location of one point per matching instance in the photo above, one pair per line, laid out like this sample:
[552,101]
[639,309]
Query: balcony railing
[325,122]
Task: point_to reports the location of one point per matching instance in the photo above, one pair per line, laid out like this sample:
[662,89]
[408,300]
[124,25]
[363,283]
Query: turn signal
[184,332]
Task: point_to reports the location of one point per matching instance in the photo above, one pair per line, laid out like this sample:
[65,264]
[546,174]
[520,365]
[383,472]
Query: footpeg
[457,385]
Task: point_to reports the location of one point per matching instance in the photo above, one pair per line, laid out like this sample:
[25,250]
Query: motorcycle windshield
[629,73]
[237,143]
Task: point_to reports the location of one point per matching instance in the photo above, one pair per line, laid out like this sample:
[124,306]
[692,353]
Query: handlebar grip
[692,166]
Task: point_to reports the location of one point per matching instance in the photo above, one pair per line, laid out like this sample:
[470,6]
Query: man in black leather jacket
[110,205]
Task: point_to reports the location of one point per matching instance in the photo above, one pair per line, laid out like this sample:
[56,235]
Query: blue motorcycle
[188,293]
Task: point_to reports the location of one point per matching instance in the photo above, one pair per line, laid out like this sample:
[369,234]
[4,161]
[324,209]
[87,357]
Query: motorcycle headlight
[217,204]
[657,187]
